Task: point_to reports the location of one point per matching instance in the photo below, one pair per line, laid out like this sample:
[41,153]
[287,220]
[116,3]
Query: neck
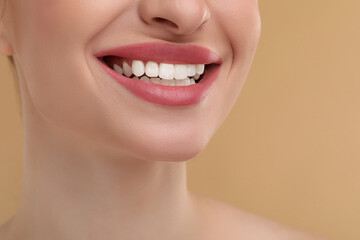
[75,190]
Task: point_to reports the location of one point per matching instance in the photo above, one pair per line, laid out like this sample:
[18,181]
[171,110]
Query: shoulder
[222,221]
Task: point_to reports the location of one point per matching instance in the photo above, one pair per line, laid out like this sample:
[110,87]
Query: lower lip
[168,95]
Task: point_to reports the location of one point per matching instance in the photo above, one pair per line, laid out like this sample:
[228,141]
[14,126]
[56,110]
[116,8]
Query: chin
[169,149]
[171,154]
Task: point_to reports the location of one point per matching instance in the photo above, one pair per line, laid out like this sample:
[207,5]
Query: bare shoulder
[222,221]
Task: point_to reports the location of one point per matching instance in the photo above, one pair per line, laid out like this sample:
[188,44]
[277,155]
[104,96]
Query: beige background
[290,148]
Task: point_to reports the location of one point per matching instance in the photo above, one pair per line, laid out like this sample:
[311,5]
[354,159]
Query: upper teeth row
[162,70]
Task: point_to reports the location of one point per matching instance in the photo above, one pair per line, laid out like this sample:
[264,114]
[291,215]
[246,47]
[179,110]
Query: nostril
[165,21]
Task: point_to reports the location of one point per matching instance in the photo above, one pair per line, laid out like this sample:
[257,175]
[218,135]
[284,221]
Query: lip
[166,53]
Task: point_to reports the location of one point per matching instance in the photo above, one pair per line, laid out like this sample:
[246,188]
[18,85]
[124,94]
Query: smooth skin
[101,163]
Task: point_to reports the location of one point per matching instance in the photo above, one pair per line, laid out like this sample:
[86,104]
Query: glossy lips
[166,53]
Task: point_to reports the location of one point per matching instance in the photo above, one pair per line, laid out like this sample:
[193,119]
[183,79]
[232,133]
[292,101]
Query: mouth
[163,73]
[166,74]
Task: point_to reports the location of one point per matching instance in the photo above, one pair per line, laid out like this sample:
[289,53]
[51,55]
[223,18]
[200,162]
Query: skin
[101,162]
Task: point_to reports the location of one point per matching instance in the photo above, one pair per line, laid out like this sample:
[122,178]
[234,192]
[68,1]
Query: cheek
[241,23]
[41,22]
[50,38]
[241,27]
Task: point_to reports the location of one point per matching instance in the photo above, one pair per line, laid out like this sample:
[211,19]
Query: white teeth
[152,69]
[180,82]
[138,68]
[145,78]
[191,70]
[118,69]
[171,82]
[183,82]
[127,69]
[168,82]
[200,68]
[163,73]
[155,80]
[180,71]
[166,71]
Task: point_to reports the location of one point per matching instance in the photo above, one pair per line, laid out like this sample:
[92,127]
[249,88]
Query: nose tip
[180,17]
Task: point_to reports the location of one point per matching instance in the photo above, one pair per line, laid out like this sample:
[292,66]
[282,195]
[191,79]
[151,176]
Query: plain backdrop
[290,149]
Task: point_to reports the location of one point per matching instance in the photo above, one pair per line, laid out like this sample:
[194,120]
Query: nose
[180,17]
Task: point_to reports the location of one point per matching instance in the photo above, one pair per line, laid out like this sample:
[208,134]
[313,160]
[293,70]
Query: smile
[162,73]
[158,73]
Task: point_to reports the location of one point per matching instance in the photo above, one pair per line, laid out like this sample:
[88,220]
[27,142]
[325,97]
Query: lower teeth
[166,82]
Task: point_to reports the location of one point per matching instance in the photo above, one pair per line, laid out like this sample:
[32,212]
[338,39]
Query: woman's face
[56,44]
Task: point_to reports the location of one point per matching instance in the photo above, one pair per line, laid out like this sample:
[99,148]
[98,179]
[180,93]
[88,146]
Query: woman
[116,97]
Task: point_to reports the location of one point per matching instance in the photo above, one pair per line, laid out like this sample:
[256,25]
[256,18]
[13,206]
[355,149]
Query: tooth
[197,76]
[172,82]
[138,68]
[187,81]
[152,69]
[164,82]
[181,82]
[135,78]
[166,71]
[192,81]
[200,68]
[127,69]
[118,69]
[180,71]
[167,82]
[155,80]
[145,78]
[191,70]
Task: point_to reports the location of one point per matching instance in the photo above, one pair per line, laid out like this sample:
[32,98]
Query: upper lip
[164,53]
